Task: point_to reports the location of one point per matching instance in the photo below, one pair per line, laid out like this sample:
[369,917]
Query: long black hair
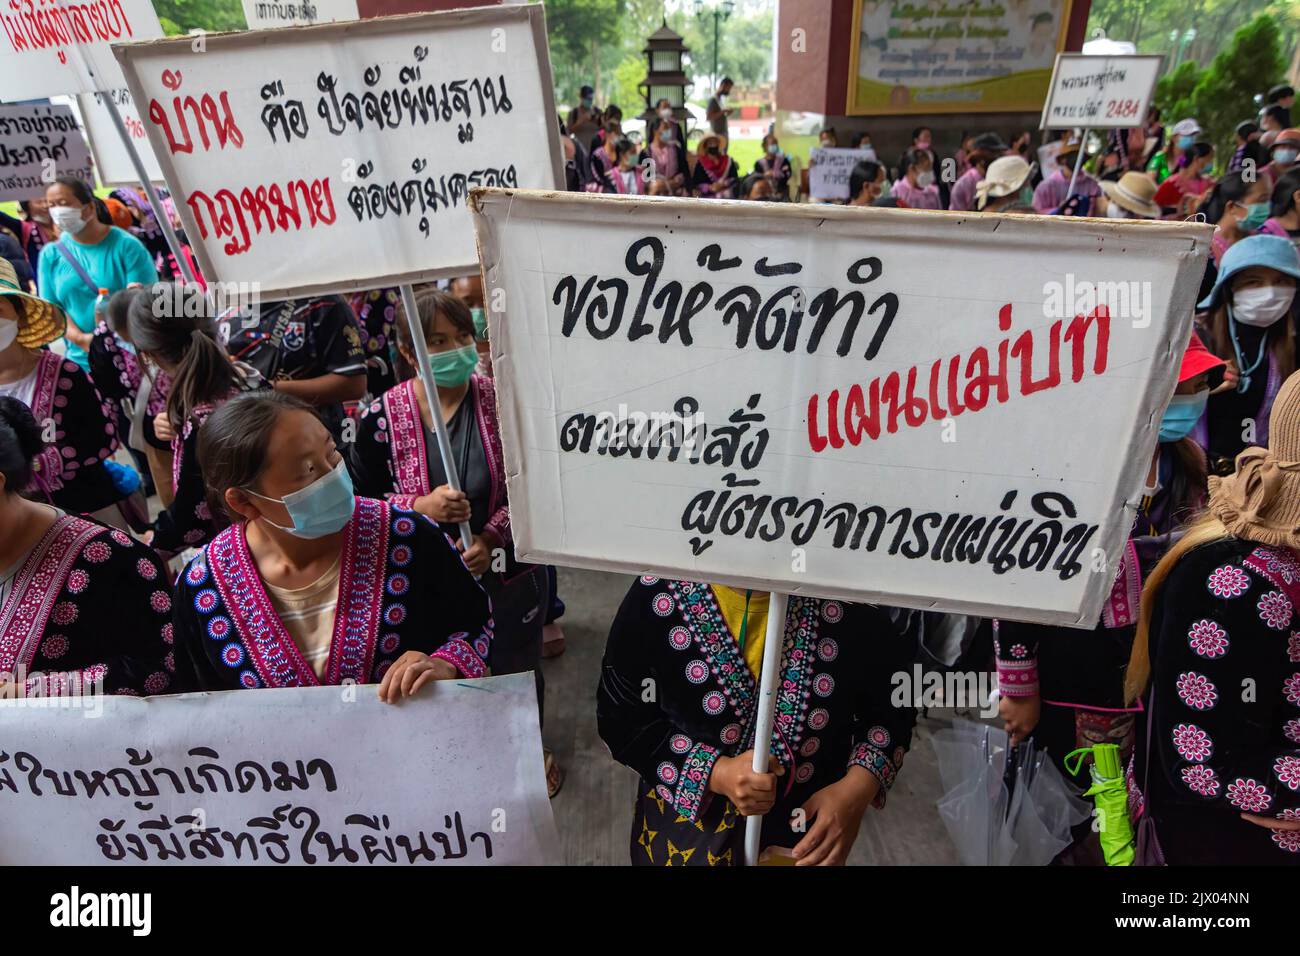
[1230,188]
[160,324]
[20,442]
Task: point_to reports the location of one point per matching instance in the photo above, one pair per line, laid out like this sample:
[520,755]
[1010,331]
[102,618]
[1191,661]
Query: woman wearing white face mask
[90,255]
[915,187]
[1250,324]
[665,157]
[312,585]
[775,165]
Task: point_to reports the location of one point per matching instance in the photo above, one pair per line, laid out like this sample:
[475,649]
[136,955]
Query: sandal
[554,774]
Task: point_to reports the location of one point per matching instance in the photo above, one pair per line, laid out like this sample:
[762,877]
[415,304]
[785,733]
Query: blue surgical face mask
[1181,416]
[1256,216]
[1186,142]
[453,369]
[323,507]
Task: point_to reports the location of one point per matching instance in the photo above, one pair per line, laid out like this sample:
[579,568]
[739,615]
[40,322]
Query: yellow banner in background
[944,56]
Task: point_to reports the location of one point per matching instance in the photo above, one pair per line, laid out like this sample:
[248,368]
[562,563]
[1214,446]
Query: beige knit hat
[1261,501]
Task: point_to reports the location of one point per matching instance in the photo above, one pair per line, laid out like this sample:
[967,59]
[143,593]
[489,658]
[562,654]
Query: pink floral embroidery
[1228,582]
[1192,743]
[1249,795]
[1019,650]
[1201,779]
[1291,729]
[54,646]
[1275,610]
[65,612]
[145,568]
[1293,648]
[160,601]
[1291,689]
[1208,639]
[1288,771]
[1196,691]
[1288,840]
[96,552]
[77,581]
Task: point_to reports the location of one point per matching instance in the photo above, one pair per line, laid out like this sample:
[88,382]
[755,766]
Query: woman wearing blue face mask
[1181,139]
[395,456]
[1238,207]
[1250,322]
[310,584]
[775,165]
[1065,686]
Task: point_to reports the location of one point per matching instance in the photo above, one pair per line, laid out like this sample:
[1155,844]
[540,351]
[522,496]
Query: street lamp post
[719,12]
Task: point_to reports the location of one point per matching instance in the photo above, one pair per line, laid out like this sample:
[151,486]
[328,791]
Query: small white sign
[37,143]
[1100,92]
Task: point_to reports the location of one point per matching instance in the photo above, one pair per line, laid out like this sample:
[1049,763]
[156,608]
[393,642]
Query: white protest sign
[791,398]
[828,176]
[112,161]
[47,44]
[303,776]
[339,157]
[37,143]
[264,15]
[1100,92]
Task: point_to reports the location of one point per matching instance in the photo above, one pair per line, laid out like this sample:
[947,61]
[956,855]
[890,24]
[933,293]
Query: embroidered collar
[37,587]
[274,654]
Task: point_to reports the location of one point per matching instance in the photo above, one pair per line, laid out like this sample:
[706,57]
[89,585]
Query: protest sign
[302,776]
[47,46]
[37,143]
[264,15]
[338,157]
[784,398]
[828,176]
[1100,92]
[112,162]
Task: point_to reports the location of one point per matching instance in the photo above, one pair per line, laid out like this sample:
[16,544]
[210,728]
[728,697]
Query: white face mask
[666,113]
[8,332]
[1115,211]
[925,179]
[68,219]
[1262,306]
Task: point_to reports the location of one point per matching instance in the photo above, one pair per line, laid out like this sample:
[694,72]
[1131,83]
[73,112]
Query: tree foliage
[181,16]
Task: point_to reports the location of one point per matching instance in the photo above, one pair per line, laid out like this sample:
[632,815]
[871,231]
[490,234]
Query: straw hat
[42,321]
[1004,177]
[1261,502]
[1133,192]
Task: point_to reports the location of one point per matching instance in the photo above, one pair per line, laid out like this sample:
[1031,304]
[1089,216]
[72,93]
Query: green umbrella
[1110,797]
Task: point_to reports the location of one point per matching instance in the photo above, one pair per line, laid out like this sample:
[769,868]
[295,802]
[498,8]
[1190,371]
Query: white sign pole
[1078,162]
[159,213]
[772,643]
[431,397]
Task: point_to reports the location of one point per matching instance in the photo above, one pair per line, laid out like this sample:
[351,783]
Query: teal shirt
[113,264]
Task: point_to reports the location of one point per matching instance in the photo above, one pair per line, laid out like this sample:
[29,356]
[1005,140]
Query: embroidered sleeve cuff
[692,791]
[406,502]
[875,762]
[463,657]
[1018,678]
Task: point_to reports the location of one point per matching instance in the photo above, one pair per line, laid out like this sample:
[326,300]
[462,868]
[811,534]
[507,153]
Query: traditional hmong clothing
[70,471]
[402,587]
[395,457]
[1225,622]
[116,372]
[1079,674]
[376,311]
[833,711]
[89,604]
[188,521]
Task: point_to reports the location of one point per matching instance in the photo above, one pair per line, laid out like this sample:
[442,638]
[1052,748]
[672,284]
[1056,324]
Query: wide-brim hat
[1134,191]
[1261,500]
[1005,176]
[41,322]
[1271,252]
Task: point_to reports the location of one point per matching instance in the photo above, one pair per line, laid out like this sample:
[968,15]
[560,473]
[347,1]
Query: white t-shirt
[24,389]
